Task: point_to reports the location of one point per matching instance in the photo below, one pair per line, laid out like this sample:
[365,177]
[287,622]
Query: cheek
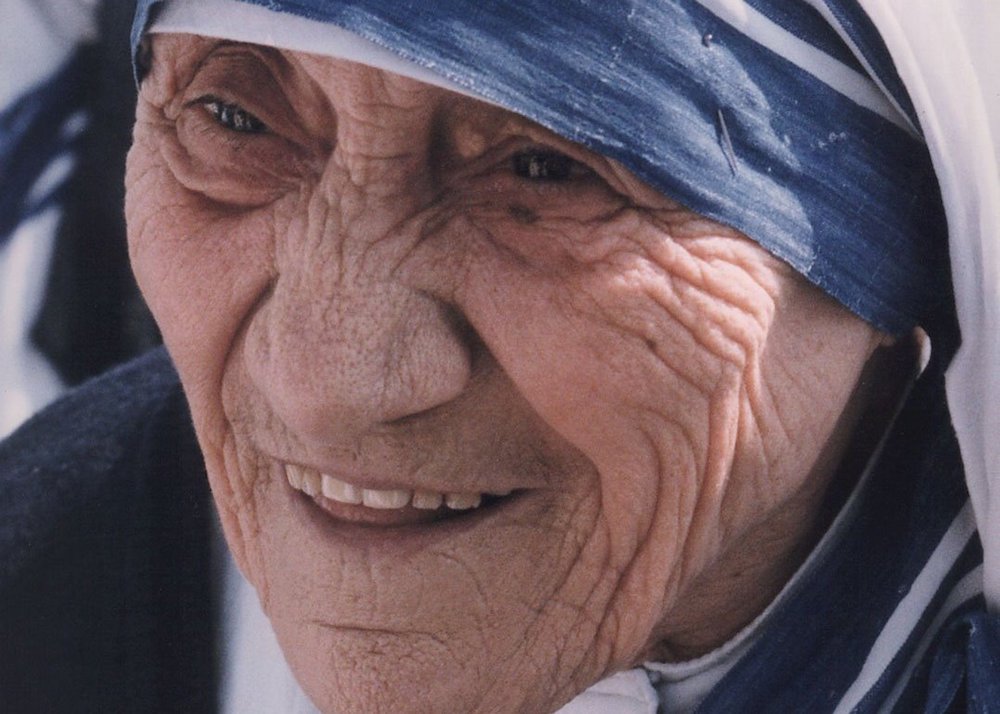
[200,267]
[202,270]
[636,360]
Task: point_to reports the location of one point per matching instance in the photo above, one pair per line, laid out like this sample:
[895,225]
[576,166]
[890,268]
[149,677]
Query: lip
[367,481]
[401,518]
[396,530]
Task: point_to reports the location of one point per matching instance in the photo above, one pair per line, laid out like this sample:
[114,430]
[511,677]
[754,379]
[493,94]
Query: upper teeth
[314,483]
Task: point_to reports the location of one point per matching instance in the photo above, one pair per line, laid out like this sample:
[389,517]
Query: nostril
[463,330]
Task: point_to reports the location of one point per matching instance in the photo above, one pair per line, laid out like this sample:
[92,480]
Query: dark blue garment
[913,511]
[106,602]
[706,115]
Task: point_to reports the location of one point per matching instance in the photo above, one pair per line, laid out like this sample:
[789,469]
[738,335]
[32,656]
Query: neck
[751,574]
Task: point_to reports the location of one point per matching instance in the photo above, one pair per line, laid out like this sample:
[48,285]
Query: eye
[232,116]
[540,165]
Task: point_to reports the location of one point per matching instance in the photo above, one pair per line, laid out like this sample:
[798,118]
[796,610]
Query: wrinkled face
[569,407]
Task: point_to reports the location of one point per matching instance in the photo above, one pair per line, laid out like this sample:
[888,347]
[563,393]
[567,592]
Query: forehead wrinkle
[176,60]
[386,89]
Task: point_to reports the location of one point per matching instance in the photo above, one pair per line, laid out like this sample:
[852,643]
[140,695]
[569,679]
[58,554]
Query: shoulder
[65,458]
[105,526]
[95,412]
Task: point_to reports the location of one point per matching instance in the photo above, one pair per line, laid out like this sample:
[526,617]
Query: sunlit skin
[358,275]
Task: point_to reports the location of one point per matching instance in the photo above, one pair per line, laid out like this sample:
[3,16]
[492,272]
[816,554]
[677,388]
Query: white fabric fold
[243,22]
[27,381]
[36,36]
[627,692]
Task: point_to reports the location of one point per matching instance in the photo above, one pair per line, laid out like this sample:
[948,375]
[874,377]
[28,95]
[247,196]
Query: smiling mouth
[348,502]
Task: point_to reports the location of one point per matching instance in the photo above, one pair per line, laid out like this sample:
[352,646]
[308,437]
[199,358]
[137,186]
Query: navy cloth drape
[106,599]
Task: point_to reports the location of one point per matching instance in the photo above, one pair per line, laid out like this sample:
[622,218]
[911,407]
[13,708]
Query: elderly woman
[541,356]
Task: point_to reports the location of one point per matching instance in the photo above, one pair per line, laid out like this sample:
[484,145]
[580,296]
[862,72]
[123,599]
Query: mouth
[387,507]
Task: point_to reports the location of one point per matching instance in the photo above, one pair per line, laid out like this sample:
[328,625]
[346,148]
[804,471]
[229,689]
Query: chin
[370,673]
[415,610]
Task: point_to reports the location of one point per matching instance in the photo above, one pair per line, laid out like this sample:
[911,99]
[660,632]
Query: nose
[342,343]
[335,364]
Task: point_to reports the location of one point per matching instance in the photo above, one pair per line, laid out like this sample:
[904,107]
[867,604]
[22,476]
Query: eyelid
[234,168]
[598,168]
[249,78]
[208,99]
[575,168]
[503,152]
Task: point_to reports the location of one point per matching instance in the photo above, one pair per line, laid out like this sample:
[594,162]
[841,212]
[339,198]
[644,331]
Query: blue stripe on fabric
[805,22]
[33,134]
[942,671]
[868,42]
[982,650]
[816,643]
[845,197]
[970,559]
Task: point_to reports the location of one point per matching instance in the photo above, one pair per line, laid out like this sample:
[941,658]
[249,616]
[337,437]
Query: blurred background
[69,308]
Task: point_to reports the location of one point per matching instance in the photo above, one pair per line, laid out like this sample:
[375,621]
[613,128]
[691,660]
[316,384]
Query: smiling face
[386,292]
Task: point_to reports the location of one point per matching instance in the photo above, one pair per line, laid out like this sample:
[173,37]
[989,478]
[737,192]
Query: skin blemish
[522,214]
